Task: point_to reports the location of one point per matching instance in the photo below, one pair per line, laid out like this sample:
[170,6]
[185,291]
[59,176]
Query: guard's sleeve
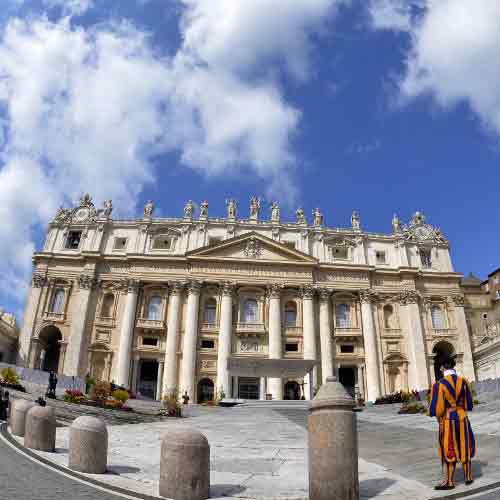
[436,408]
[468,397]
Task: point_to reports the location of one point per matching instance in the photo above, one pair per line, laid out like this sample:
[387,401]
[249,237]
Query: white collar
[449,372]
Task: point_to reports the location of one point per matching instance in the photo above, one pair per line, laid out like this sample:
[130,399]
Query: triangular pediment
[252,247]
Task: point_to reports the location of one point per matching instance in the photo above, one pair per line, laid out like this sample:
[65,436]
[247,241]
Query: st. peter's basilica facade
[244,306]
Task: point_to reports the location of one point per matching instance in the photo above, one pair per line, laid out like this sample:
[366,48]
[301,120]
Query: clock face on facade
[82,214]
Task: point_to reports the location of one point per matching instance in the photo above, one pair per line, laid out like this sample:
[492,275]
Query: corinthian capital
[176,287]
[307,291]
[133,285]
[367,296]
[408,297]
[227,289]
[193,287]
[459,300]
[324,294]
[274,290]
[38,280]
[86,282]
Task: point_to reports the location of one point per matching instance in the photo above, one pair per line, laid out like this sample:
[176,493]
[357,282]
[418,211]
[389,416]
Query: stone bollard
[88,445]
[185,465]
[41,429]
[333,444]
[18,413]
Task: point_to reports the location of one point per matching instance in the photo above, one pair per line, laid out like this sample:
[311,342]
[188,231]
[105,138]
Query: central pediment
[252,247]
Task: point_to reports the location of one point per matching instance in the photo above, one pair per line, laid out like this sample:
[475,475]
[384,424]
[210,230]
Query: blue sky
[382,106]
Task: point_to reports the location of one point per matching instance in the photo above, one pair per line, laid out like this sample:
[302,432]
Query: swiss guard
[451,400]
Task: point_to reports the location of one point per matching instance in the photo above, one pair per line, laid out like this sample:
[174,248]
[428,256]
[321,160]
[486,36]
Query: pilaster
[275,385]
[225,335]
[325,335]
[173,322]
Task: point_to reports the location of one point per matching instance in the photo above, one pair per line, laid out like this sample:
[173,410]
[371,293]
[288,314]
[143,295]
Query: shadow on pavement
[225,490]
[122,469]
[370,488]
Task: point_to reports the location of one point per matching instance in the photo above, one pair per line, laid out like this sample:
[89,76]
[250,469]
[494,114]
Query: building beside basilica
[243,305]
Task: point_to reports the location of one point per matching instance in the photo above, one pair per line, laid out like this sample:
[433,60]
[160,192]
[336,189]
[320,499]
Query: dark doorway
[148,378]
[248,387]
[205,390]
[441,351]
[292,391]
[347,377]
[50,338]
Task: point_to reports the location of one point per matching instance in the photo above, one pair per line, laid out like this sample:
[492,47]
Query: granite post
[333,444]
[40,429]
[184,465]
[88,445]
[18,413]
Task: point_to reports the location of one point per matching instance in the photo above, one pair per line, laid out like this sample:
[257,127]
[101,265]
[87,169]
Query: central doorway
[291,391]
[148,378]
[347,377]
[442,350]
[50,338]
[205,390]
[248,387]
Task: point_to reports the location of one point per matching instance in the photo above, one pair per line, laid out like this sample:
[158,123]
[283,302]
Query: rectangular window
[340,253]
[425,258]
[380,257]
[120,244]
[207,344]
[346,349]
[163,243]
[150,341]
[73,240]
[292,347]
[290,244]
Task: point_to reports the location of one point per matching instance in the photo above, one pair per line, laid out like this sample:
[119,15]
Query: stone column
[325,335]
[419,375]
[275,385]
[262,389]
[461,323]
[361,381]
[136,362]
[225,336]
[30,314]
[127,334]
[188,373]
[173,321]
[76,342]
[371,348]
[62,356]
[309,336]
[159,382]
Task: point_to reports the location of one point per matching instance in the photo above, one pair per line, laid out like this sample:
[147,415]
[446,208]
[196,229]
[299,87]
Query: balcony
[293,331]
[150,324]
[347,332]
[105,321]
[250,328]
[210,327]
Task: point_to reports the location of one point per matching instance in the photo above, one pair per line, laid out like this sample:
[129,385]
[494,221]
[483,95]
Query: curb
[68,472]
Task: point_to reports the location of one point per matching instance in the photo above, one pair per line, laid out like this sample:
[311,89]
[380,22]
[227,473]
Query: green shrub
[121,395]
[10,376]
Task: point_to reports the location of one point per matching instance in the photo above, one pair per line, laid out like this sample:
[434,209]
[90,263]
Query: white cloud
[71,7]
[89,109]
[390,14]
[454,48]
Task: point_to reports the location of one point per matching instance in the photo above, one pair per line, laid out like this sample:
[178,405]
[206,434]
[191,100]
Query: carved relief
[274,290]
[307,291]
[324,294]
[409,297]
[194,287]
[248,345]
[227,289]
[253,248]
[38,280]
[459,300]
[86,282]
[367,296]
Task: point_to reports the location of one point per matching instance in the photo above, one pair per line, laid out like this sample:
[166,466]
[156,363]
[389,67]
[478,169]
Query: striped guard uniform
[451,400]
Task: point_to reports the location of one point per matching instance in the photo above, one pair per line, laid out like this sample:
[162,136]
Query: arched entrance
[205,390]
[347,377]
[292,391]
[50,348]
[441,351]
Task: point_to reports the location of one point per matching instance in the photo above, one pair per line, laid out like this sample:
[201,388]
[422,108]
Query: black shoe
[469,481]
[444,487]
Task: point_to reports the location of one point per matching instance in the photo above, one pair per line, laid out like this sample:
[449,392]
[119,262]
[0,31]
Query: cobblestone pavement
[23,479]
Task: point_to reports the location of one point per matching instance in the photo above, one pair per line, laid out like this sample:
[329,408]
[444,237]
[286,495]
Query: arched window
[388,316]
[154,308]
[108,302]
[210,313]
[343,315]
[291,314]
[58,301]
[250,311]
[437,318]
